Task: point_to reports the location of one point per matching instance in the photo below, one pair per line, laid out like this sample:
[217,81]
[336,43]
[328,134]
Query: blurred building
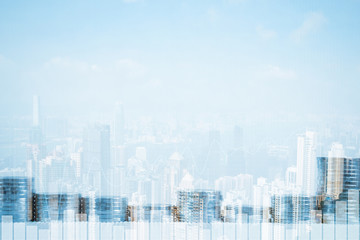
[339,185]
[216,158]
[55,207]
[290,177]
[119,124]
[337,175]
[328,210]
[291,208]
[229,213]
[199,206]
[96,163]
[15,194]
[111,209]
[151,213]
[84,209]
[352,197]
[306,163]
[282,208]
[236,161]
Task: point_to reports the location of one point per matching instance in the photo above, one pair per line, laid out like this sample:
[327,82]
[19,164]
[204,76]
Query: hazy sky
[230,56]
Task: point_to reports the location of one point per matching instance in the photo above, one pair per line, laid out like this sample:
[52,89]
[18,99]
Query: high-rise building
[339,184]
[36,148]
[337,175]
[15,195]
[119,124]
[55,207]
[306,163]
[282,208]
[111,209]
[199,206]
[352,198]
[151,213]
[328,210]
[341,212]
[36,131]
[96,163]
[335,170]
[173,178]
[290,208]
[290,177]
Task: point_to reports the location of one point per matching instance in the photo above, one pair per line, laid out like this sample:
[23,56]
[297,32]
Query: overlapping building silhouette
[336,201]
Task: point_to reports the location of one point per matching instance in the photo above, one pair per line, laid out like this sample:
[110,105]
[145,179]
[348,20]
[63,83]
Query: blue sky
[225,56]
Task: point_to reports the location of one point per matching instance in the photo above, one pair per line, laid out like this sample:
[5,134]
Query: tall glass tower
[14,197]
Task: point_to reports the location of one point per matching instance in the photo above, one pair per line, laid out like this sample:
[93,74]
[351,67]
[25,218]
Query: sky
[227,57]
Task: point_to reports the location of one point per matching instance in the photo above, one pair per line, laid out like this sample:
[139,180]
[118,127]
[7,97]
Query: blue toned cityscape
[109,181]
[179,120]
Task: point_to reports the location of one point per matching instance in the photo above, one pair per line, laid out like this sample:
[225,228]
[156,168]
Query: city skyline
[218,119]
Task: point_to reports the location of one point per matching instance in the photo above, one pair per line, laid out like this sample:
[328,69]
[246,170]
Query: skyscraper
[55,207]
[96,161]
[282,208]
[15,193]
[335,170]
[306,163]
[290,177]
[111,209]
[119,124]
[36,148]
[199,206]
[36,133]
[337,175]
[339,185]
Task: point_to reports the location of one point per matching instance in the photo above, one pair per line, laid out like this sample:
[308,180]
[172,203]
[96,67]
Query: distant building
[242,183]
[306,163]
[216,158]
[290,177]
[119,124]
[236,162]
[96,163]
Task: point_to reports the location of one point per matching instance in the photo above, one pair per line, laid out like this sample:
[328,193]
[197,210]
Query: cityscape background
[112,172]
[140,116]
